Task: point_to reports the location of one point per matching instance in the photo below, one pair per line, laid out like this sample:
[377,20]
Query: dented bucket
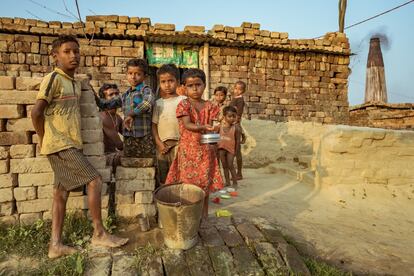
[180,208]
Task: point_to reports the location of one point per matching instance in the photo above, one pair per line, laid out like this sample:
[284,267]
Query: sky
[300,18]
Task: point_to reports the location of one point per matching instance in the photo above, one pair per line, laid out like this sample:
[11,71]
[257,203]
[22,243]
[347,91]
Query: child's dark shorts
[139,147]
[71,169]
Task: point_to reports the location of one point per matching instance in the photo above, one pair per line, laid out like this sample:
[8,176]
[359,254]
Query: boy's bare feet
[59,250]
[108,240]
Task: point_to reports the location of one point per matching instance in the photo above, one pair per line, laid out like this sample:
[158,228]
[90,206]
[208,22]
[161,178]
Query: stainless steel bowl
[210,138]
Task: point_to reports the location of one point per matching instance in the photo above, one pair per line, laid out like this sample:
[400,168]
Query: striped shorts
[71,168]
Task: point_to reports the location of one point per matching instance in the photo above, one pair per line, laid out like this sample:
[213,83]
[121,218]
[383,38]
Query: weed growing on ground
[110,224]
[77,230]
[32,241]
[319,268]
[27,240]
[65,266]
[144,255]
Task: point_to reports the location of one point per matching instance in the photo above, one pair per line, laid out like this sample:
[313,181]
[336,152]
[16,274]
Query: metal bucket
[180,208]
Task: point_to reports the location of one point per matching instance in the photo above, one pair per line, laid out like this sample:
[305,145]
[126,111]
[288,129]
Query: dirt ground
[368,229]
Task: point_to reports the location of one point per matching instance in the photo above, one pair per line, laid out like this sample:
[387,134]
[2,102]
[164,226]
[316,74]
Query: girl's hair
[62,39]
[169,69]
[194,73]
[242,84]
[228,109]
[138,62]
[222,89]
[105,87]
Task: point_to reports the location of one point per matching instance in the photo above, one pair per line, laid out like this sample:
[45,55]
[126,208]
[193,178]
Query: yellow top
[62,115]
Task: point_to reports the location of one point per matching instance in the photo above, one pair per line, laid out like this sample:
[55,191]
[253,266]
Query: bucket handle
[177,204]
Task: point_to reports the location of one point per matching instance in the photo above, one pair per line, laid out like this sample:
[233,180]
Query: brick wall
[384,115]
[355,155]
[288,79]
[284,86]
[26,178]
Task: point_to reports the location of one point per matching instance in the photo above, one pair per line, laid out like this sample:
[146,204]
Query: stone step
[260,249]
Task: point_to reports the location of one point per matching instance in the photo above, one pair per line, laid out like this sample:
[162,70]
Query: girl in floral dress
[196,163]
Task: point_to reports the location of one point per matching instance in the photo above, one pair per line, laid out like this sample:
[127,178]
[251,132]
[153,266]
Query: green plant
[32,240]
[143,255]
[319,268]
[66,266]
[77,230]
[110,224]
[27,240]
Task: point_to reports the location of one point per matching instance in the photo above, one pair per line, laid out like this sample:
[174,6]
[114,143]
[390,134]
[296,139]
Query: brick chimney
[375,87]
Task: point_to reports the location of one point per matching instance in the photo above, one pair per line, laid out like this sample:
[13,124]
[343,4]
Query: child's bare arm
[104,104]
[240,109]
[111,132]
[128,121]
[194,127]
[237,135]
[160,145]
[38,118]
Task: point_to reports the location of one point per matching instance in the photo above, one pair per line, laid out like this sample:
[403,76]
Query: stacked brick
[284,86]
[26,178]
[135,184]
[355,156]
[117,25]
[104,60]
[248,32]
[110,25]
[288,79]
[383,115]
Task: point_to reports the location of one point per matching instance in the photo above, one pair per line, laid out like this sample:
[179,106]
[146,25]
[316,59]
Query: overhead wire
[51,10]
[34,15]
[375,16]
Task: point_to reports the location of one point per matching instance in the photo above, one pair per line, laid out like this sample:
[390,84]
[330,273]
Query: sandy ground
[368,229]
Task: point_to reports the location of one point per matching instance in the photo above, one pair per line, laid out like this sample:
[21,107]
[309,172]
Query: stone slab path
[227,246]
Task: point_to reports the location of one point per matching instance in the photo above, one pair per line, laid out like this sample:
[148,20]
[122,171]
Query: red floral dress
[195,163]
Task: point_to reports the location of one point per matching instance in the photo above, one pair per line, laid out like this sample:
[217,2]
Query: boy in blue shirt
[136,103]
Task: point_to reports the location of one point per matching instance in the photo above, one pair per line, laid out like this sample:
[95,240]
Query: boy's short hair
[228,109]
[241,83]
[194,73]
[169,69]
[62,39]
[105,87]
[138,62]
[221,89]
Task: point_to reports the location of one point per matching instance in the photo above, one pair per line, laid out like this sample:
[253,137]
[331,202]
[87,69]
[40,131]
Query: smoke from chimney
[375,86]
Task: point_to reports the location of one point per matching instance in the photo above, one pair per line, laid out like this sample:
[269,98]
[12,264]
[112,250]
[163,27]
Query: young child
[229,142]
[195,163]
[56,119]
[181,90]
[238,102]
[164,121]
[136,104]
[219,97]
